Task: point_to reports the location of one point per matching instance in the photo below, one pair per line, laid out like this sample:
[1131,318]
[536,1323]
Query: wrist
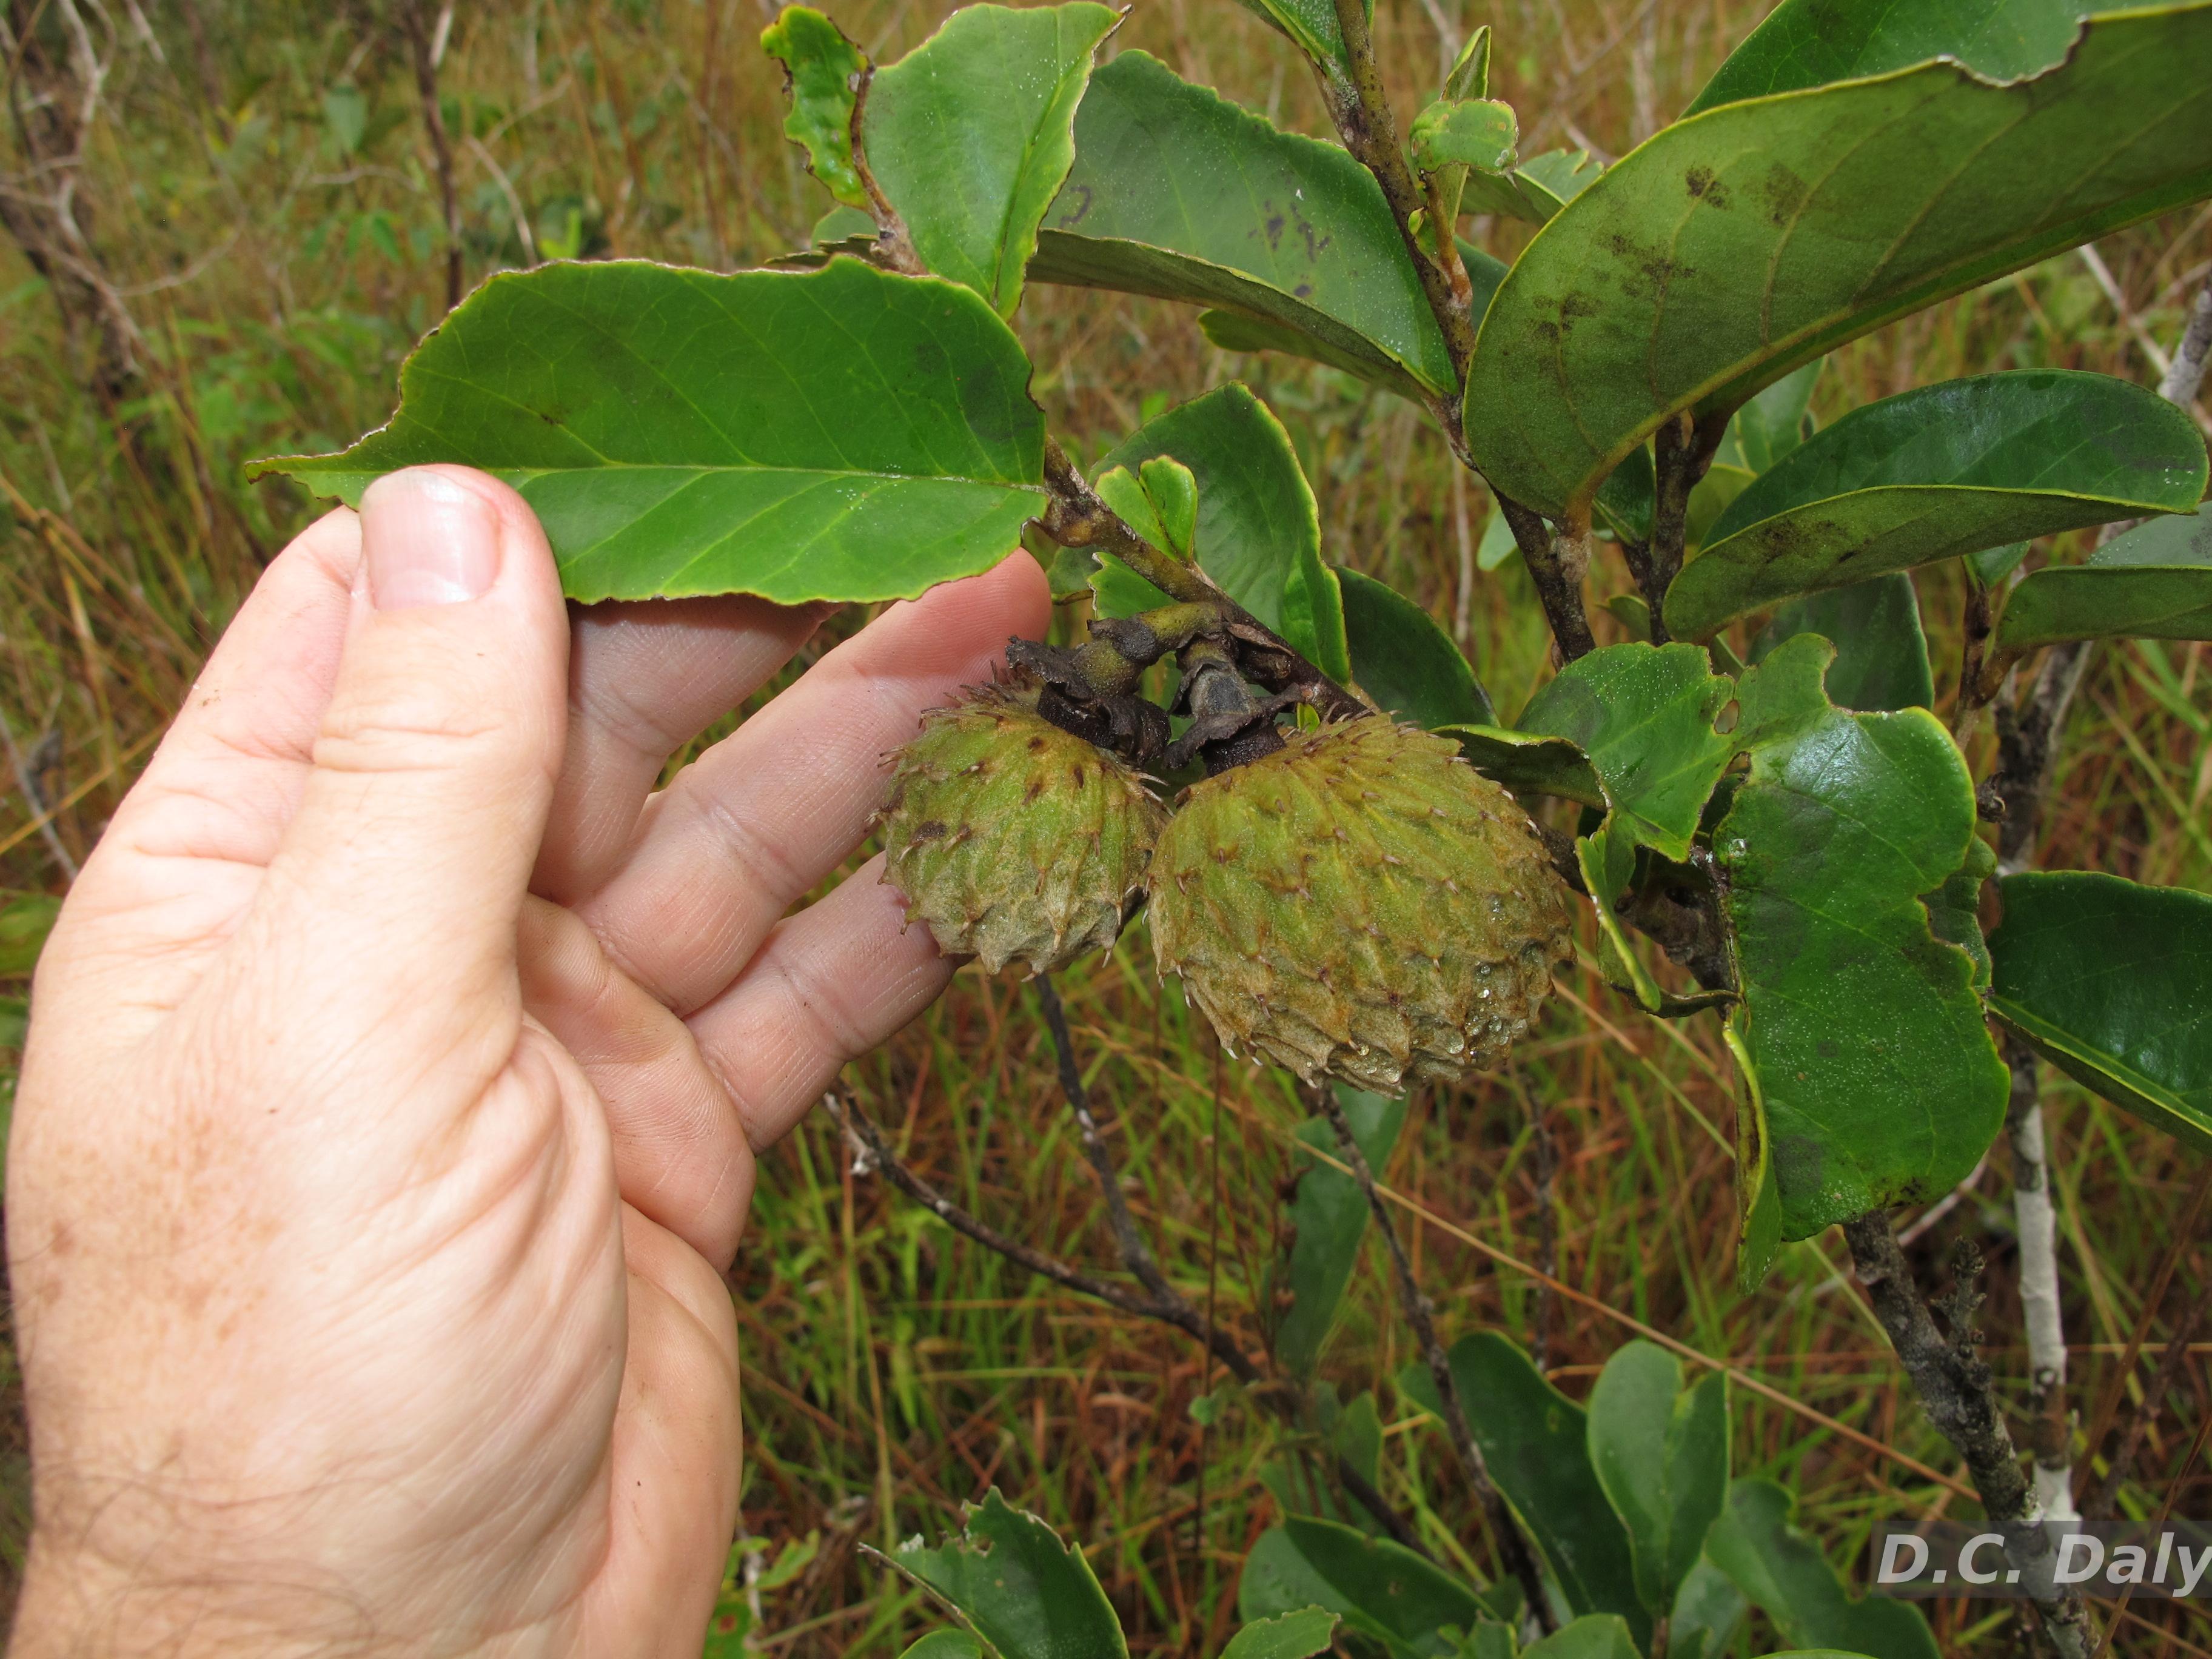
[81,1602]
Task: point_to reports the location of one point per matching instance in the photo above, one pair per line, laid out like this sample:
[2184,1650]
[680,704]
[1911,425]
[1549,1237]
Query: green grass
[264,209]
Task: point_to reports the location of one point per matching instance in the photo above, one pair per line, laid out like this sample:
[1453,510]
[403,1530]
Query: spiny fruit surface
[1362,904]
[1013,839]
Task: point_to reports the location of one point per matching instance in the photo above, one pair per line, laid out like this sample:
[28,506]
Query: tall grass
[262,208]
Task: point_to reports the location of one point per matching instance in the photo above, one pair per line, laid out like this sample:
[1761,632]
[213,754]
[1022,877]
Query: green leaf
[1662,1453]
[971,134]
[1774,423]
[1258,532]
[1027,1594]
[1235,331]
[1536,190]
[1628,500]
[1939,472]
[1404,661]
[1381,1590]
[1758,1195]
[2112,982]
[1499,542]
[1536,1441]
[945,1644]
[1328,1216]
[1879,1082]
[1644,716]
[1159,502]
[1527,764]
[1787,1578]
[822,71]
[1470,76]
[1881,654]
[1595,1636]
[1179,193]
[1735,245]
[1479,133]
[2154,582]
[1709,1609]
[1954,909]
[26,919]
[840,434]
[1311,25]
[1292,1636]
[1810,43]
[1993,564]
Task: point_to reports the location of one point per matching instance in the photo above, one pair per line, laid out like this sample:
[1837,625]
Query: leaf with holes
[1881,654]
[1018,1586]
[1739,244]
[1863,1030]
[840,434]
[822,71]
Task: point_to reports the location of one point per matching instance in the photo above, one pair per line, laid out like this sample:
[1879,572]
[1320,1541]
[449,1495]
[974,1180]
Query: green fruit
[1362,904]
[1013,839]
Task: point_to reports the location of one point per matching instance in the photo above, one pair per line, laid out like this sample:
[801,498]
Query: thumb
[396,890]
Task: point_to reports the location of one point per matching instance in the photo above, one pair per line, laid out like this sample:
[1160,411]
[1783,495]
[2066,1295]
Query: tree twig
[1513,1549]
[1556,565]
[424,51]
[2050,1436]
[1164,1303]
[1077,518]
[1954,1386]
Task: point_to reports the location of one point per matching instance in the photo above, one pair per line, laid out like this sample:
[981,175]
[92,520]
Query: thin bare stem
[1513,1549]
[1954,1387]
[424,40]
[1556,565]
[1164,1303]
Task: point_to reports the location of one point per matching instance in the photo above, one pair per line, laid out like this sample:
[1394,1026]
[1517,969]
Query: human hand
[393,1087]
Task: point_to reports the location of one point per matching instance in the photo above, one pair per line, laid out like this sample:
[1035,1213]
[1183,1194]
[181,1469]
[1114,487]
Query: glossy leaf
[1595,1636]
[1879,1082]
[822,71]
[1529,765]
[1381,1590]
[1404,661]
[971,134]
[1536,190]
[1662,1453]
[1475,132]
[1786,1577]
[1177,193]
[1644,716]
[1709,1610]
[1954,909]
[1292,1636]
[2112,982]
[2154,582]
[1881,654]
[945,1644]
[840,434]
[1737,244]
[1258,531]
[1536,1441]
[1023,1590]
[1159,501]
[1311,25]
[1328,1216]
[1810,43]
[1939,472]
